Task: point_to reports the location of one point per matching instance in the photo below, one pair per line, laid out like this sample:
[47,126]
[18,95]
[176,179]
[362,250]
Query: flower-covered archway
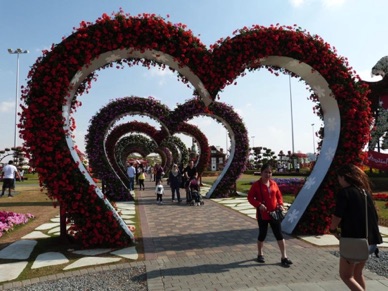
[66,71]
[98,151]
[98,130]
[237,132]
[117,156]
[184,153]
[116,144]
[341,101]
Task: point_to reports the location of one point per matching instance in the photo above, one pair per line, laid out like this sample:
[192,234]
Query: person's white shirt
[159,189]
[9,171]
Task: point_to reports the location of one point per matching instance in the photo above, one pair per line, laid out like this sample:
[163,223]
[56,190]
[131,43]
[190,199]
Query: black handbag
[356,249]
[277,215]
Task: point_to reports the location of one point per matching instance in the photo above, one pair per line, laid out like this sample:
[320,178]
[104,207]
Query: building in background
[217,159]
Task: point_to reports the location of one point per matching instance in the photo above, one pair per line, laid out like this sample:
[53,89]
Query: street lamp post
[292,116]
[17,52]
[294,162]
[312,125]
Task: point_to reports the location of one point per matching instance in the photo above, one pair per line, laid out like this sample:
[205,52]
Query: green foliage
[263,155]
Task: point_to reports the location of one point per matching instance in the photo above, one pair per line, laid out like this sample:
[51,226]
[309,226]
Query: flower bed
[380,197]
[290,185]
[10,219]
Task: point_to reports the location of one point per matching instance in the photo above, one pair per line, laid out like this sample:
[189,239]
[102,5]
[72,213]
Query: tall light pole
[292,116]
[17,52]
[312,125]
[292,124]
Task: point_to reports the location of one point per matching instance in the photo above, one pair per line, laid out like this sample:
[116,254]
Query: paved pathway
[211,247]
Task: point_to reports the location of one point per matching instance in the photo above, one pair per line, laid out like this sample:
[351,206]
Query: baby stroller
[194,198]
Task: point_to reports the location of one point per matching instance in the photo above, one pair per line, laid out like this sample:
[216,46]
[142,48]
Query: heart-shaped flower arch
[66,71]
[135,143]
[115,144]
[120,157]
[174,121]
[224,114]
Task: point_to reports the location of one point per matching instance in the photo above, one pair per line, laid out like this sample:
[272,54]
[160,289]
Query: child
[159,191]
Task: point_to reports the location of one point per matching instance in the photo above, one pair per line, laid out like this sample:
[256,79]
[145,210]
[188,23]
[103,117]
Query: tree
[269,157]
[257,157]
[260,158]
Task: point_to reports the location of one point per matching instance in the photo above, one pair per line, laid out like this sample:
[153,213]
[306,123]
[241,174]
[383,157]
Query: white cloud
[297,3]
[325,3]
[333,3]
[7,106]
[158,72]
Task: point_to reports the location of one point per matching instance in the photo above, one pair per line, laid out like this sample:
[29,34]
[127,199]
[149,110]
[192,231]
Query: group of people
[136,175]
[349,215]
[180,177]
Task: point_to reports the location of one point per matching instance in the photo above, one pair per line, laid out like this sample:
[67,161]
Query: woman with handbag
[266,197]
[356,215]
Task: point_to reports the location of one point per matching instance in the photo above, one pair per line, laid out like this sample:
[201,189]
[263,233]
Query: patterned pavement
[209,247]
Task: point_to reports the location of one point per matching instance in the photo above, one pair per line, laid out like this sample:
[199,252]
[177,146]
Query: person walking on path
[8,176]
[142,176]
[159,191]
[131,172]
[175,179]
[265,196]
[150,171]
[350,215]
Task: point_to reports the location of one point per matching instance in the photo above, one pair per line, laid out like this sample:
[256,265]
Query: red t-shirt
[270,196]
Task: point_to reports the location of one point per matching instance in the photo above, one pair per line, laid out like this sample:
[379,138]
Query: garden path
[18,253]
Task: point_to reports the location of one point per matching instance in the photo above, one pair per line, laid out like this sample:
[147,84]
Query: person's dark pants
[263,229]
[176,190]
[132,183]
[8,183]
[141,184]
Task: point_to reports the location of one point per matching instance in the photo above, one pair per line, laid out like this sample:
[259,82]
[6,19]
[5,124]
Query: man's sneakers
[286,262]
[260,259]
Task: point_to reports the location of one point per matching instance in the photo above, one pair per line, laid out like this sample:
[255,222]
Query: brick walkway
[212,247]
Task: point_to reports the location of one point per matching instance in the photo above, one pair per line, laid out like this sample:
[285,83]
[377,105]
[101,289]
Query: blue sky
[354,27]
